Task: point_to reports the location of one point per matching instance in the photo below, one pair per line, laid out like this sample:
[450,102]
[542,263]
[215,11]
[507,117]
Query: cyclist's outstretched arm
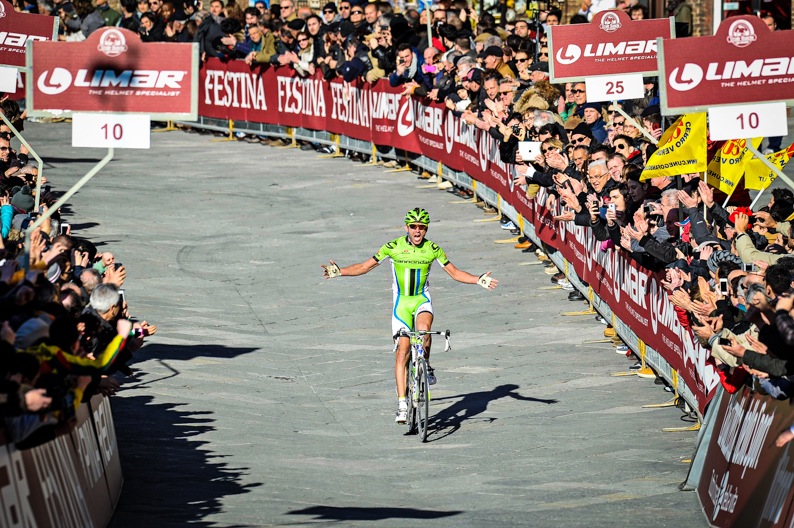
[353,270]
[483,280]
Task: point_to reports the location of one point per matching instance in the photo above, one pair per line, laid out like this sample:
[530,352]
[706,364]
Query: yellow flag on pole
[727,167]
[681,149]
[758,176]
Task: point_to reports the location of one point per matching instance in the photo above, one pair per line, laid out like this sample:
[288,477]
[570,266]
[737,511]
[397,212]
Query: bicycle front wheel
[422,400]
[410,392]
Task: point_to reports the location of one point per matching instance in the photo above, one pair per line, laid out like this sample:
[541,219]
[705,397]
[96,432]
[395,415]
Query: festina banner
[612,44]
[16,29]
[743,63]
[113,71]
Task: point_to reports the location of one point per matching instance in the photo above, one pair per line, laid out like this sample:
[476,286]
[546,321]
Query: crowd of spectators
[65,327]
[728,269]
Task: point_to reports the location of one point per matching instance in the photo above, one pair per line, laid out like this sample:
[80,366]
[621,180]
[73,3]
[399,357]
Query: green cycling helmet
[417,216]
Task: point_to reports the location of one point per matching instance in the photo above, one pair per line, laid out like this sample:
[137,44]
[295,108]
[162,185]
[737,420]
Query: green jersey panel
[411,264]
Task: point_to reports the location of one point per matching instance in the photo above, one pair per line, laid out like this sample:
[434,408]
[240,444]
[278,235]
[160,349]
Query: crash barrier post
[73,480]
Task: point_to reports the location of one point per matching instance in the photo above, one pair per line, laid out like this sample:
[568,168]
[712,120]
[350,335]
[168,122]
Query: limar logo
[569,55]
[59,81]
[405,118]
[741,34]
[112,43]
[610,23]
[689,77]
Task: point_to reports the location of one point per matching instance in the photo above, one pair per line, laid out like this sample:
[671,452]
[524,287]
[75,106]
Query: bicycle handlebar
[406,333]
[445,333]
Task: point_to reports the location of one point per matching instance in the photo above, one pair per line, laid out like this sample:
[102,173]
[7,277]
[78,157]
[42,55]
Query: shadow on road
[468,406]
[333,513]
[171,478]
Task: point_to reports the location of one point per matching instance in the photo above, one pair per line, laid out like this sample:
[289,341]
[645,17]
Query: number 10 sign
[748,121]
[111,130]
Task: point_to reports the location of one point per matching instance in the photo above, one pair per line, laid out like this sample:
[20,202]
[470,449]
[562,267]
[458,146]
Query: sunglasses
[621,147]
[577,91]
[618,123]
[550,149]
[546,54]
[344,7]
[505,93]
[522,60]
[3,149]
[327,12]
[418,227]
[303,40]
[579,140]
[357,12]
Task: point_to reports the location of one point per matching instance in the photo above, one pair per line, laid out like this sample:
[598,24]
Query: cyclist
[411,257]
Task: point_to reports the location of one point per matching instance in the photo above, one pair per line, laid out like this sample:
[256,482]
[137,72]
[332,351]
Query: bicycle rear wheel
[422,400]
[409,393]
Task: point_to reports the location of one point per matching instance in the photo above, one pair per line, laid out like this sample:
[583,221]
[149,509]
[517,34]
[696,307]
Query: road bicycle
[417,387]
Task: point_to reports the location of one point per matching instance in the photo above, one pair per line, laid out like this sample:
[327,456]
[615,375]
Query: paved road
[267,396]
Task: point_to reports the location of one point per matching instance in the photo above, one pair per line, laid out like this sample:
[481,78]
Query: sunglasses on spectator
[577,91]
[621,147]
[418,227]
[344,7]
[619,123]
[303,40]
[3,149]
[355,12]
[546,54]
[578,140]
[522,60]
[550,149]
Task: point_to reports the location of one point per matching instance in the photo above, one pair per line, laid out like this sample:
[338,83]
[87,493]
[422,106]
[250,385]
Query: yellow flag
[681,149]
[758,176]
[727,167]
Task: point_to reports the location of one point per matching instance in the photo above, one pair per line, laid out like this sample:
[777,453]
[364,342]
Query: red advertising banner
[16,29]
[745,63]
[113,71]
[380,115]
[746,479]
[612,44]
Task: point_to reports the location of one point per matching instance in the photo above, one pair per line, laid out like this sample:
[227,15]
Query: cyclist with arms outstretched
[411,257]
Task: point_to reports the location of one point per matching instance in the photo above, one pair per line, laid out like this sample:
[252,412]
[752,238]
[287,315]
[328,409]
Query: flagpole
[729,196]
[705,209]
[755,200]
[633,122]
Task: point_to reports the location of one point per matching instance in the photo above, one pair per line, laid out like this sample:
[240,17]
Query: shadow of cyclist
[449,420]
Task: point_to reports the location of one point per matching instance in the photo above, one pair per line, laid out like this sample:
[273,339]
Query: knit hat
[718,257]
[582,129]
[297,25]
[331,7]
[31,331]
[492,51]
[594,106]
[23,200]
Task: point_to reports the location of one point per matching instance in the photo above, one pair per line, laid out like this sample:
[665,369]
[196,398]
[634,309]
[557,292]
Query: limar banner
[17,29]
[612,44]
[113,71]
[682,149]
[743,62]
